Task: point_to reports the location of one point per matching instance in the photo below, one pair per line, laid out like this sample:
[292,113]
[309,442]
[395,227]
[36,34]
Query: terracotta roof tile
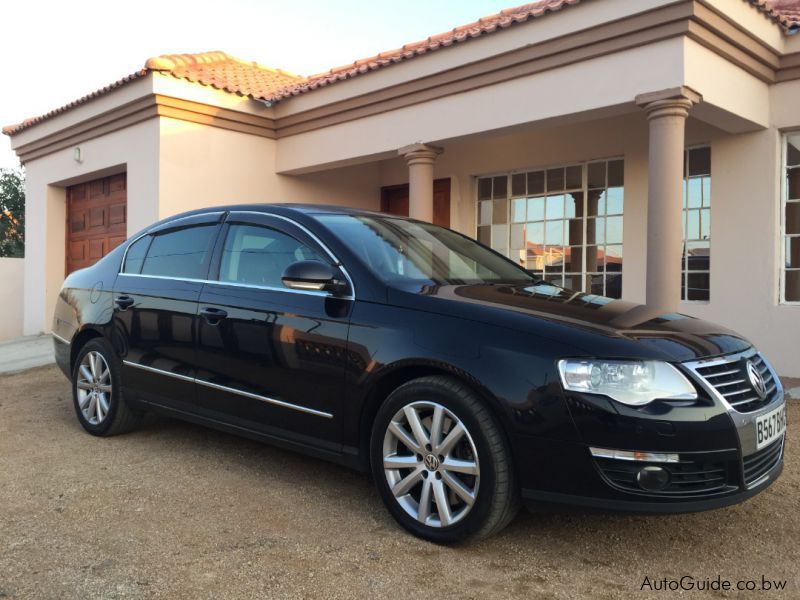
[233,75]
[16,128]
[224,72]
[502,20]
[784,12]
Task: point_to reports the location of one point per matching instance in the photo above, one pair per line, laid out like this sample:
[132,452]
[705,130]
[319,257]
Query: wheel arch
[396,375]
[79,341]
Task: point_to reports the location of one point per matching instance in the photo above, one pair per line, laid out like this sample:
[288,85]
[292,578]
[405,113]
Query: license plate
[770,427]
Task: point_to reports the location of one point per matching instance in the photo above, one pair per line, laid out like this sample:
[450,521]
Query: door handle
[213,315]
[123,302]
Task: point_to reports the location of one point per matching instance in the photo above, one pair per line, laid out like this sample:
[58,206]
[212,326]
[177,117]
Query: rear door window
[181,253]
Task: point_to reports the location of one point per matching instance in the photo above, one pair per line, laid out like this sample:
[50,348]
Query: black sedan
[463,384]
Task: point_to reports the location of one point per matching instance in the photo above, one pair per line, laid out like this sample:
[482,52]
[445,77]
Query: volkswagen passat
[463,384]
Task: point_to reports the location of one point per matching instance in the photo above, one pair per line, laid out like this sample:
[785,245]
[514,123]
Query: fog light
[652,478]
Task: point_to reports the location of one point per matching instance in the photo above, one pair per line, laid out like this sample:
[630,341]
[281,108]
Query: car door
[155,309]
[271,358]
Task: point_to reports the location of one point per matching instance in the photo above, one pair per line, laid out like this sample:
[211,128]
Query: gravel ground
[179,511]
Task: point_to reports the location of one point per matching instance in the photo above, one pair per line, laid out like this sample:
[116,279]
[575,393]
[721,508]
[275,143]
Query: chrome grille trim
[725,379]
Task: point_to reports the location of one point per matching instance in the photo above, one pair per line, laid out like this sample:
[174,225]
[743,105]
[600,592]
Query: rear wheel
[441,463]
[96,391]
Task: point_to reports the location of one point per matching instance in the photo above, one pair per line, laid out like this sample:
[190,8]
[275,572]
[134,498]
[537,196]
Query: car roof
[283,208]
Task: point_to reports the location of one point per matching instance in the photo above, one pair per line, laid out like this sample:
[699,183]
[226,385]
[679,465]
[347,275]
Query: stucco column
[420,158]
[666,112]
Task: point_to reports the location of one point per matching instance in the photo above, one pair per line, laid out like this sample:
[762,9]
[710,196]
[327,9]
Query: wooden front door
[96,220]
[394,200]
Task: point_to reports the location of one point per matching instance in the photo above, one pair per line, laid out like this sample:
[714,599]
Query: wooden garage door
[96,220]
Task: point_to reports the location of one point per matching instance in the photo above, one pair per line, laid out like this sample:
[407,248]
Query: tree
[12,213]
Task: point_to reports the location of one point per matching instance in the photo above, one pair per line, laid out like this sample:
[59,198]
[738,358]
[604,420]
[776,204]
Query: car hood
[592,325]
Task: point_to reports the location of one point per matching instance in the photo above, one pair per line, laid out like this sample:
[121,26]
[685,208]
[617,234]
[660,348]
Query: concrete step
[26,353]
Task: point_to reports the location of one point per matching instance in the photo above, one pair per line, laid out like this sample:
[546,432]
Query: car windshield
[406,252]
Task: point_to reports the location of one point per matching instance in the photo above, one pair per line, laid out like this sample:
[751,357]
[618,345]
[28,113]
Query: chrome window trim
[313,236]
[148,232]
[60,339]
[216,386]
[304,229]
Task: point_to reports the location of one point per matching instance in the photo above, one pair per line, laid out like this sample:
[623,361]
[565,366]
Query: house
[647,149]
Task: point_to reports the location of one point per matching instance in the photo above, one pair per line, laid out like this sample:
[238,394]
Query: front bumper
[718,464]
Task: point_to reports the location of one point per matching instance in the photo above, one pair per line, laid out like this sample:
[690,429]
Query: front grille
[758,464]
[731,381]
[687,477]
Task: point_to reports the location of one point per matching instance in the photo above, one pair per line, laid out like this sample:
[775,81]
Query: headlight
[633,382]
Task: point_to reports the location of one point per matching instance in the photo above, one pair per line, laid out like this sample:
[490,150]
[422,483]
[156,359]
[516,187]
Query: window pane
[698,256]
[259,255]
[700,161]
[705,224]
[535,209]
[573,261]
[573,205]
[793,151]
[600,230]
[485,215]
[555,180]
[614,230]
[792,287]
[485,235]
[554,233]
[500,211]
[697,286]
[793,183]
[613,257]
[518,210]
[597,175]
[596,284]
[536,182]
[574,233]
[574,177]
[793,252]
[534,233]
[706,191]
[793,217]
[694,198]
[499,185]
[500,238]
[591,231]
[180,253]
[518,184]
[135,255]
[616,173]
[484,188]
[555,207]
[573,281]
[517,241]
[692,225]
[614,201]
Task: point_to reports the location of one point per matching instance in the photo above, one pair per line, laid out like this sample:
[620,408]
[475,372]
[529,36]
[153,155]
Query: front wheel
[441,462]
[97,393]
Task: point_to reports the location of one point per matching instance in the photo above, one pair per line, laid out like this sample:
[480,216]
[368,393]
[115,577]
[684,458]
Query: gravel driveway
[179,511]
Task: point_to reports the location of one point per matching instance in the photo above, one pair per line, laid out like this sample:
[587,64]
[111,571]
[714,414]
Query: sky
[56,52]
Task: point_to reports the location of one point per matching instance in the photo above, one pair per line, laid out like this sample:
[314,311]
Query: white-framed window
[563,223]
[696,256]
[790,220]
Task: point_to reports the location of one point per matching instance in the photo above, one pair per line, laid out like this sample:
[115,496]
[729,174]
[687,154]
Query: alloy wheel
[94,388]
[431,464]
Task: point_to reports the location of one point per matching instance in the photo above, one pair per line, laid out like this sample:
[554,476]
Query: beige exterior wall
[133,149]
[12,273]
[206,166]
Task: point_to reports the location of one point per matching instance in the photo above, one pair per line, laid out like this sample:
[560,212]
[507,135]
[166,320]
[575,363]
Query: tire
[487,498]
[108,414]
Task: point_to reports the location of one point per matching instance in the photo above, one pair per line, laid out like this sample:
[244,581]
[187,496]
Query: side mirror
[312,275]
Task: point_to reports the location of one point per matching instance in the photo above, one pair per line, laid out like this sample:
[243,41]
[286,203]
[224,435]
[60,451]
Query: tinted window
[401,251]
[180,253]
[259,255]
[135,255]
